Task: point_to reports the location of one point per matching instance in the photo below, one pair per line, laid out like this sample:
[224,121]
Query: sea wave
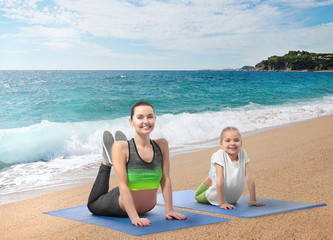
[50,140]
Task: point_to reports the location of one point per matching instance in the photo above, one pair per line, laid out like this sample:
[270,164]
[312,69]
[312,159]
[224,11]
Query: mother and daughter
[142,165]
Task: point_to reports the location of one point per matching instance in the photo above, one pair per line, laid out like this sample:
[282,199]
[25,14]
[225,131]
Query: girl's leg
[200,194]
[102,202]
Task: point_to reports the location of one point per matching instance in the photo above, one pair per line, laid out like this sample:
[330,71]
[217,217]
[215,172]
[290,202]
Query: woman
[141,165]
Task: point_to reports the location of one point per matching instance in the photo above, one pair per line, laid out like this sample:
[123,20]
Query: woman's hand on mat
[255,203]
[142,222]
[175,215]
[227,206]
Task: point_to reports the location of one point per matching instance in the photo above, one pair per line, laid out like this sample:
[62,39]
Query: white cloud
[38,31]
[28,11]
[171,20]
[304,3]
[152,20]
[175,29]
[58,38]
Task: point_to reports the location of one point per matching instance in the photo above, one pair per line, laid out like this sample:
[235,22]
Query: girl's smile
[231,143]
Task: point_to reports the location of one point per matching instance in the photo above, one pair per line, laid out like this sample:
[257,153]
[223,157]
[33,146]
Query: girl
[141,165]
[229,169]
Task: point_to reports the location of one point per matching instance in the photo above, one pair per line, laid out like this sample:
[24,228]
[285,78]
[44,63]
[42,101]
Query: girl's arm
[251,186]
[119,152]
[166,181]
[219,187]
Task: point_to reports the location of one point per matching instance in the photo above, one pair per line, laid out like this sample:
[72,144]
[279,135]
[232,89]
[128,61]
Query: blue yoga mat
[156,216]
[185,199]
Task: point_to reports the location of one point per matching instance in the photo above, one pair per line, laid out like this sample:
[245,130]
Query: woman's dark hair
[140,103]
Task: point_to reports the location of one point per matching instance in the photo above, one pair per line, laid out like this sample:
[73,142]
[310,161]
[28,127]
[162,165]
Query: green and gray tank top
[140,174]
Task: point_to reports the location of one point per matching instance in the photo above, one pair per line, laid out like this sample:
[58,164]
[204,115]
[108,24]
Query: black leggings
[101,201]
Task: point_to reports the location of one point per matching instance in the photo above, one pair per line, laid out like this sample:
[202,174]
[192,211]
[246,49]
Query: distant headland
[297,61]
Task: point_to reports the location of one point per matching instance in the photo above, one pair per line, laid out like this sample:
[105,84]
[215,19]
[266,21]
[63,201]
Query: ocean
[51,122]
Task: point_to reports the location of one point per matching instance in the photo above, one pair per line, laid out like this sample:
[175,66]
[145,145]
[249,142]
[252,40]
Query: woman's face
[143,119]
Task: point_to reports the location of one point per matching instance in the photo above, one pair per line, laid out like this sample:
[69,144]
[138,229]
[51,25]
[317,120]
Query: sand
[293,163]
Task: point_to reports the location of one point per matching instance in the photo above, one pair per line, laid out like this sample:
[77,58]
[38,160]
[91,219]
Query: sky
[158,34]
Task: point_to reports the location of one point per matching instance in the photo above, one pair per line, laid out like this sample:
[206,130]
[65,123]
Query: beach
[292,163]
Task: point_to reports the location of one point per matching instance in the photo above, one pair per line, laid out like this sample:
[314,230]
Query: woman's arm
[251,186]
[166,181]
[219,187]
[119,157]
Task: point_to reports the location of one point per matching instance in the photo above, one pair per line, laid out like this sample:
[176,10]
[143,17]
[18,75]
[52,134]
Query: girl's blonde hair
[229,129]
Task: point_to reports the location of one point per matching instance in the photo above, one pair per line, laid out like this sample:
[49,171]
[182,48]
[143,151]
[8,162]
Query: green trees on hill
[297,61]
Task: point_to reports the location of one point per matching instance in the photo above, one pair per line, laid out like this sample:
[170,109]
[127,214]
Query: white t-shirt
[234,177]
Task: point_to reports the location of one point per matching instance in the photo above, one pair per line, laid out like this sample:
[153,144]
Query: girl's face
[143,119]
[231,143]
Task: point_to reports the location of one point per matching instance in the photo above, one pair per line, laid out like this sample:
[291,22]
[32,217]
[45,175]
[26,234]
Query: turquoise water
[29,97]
[48,117]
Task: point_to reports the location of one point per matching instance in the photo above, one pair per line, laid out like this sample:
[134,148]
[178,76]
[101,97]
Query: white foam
[49,140]
[27,180]
[188,128]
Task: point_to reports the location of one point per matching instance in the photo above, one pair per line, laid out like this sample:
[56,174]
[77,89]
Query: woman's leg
[102,202]
[101,185]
